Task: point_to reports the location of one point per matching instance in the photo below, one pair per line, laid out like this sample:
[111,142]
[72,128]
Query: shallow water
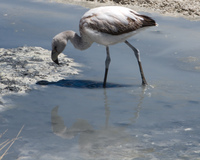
[77,119]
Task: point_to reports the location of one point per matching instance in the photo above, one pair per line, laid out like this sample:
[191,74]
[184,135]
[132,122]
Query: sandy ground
[189,9]
[32,64]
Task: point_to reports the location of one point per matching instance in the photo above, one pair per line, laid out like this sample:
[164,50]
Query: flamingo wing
[114,20]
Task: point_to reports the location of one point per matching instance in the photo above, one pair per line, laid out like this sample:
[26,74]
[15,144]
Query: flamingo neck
[80,42]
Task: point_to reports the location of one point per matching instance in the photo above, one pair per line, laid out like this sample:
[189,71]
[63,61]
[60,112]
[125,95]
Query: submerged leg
[107,62]
[137,55]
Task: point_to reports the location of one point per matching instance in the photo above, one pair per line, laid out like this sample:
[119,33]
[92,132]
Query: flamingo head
[58,45]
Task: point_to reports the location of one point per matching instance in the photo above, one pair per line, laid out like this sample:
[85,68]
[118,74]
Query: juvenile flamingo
[107,26]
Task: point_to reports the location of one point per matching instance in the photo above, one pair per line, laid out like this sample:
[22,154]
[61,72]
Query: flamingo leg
[107,62]
[137,55]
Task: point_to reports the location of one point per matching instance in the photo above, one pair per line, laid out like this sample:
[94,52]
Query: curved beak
[54,56]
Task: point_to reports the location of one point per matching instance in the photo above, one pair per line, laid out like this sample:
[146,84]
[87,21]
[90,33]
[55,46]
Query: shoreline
[173,8]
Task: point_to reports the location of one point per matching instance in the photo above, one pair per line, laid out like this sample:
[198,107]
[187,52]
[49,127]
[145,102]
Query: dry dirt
[189,9]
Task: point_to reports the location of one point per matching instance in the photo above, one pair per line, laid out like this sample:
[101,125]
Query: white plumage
[107,26]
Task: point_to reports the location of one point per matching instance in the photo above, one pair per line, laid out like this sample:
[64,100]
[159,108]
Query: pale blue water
[124,121]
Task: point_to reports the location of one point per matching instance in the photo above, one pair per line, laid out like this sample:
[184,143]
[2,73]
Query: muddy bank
[189,9]
[22,67]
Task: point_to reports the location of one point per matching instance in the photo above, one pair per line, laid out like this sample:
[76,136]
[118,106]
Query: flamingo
[107,26]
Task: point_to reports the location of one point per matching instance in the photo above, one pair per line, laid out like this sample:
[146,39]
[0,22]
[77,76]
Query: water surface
[77,119]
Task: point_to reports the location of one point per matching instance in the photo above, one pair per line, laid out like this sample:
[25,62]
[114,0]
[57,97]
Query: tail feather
[147,22]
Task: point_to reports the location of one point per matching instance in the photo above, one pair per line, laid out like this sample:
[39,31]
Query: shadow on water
[75,83]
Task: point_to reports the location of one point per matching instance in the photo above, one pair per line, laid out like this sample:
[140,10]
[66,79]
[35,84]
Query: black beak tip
[56,61]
